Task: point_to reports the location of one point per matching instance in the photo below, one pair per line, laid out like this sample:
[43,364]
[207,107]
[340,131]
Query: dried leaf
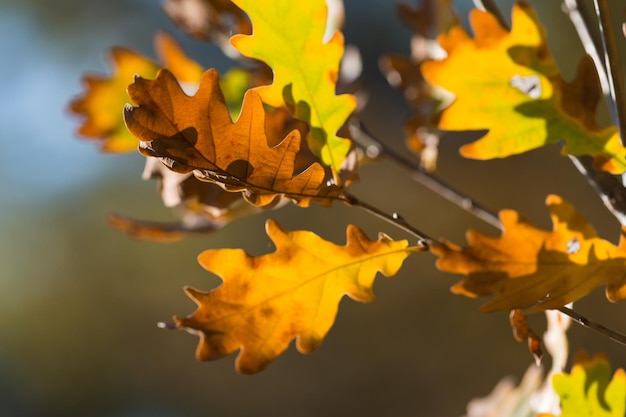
[534,269]
[207,19]
[105,96]
[509,83]
[305,69]
[507,399]
[522,332]
[196,134]
[426,21]
[267,301]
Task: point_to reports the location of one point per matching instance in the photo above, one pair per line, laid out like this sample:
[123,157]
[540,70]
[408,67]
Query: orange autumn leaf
[105,96]
[509,83]
[196,134]
[530,268]
[267,301]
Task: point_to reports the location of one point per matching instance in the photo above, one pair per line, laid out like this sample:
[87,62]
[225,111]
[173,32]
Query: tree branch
[575,11]
[380,149]
[611,58]
[397,220]
[590,324]
[608,187]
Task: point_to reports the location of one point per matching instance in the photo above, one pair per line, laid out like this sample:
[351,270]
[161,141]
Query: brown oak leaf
[196,134]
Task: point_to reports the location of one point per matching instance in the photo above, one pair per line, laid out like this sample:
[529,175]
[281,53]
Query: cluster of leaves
[289,143]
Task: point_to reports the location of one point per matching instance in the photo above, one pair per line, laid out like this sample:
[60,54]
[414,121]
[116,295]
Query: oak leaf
[534,269]
[589,390]
[196,134]
[105,96]
[305,69]
[267,301]
[202,207]
[509,83]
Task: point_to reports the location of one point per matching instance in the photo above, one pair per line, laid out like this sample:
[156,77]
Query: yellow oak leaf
[267,301]
[530,268]
[105,96]
[589,390]
[509,83]
[288,36]
[196,134]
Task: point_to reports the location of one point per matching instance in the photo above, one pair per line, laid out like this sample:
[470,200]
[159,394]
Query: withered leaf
[196,134]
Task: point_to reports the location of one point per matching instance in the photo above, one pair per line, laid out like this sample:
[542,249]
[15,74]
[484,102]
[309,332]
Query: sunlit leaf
[530,268]
[305,69]
[509,83]
[196,134]
[588,390]
[267,301]
[105,96]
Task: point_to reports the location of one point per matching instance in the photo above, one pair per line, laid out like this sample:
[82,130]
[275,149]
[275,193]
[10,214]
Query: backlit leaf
[588,390]
[532,268]
[105,96]
[305,69]
[196,134]
[267,301]
[509,83]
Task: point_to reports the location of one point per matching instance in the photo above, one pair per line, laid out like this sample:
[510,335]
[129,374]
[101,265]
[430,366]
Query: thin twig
[367,140]
[575,11]
[590,324]
[616,84]
[422,238]
[608,187]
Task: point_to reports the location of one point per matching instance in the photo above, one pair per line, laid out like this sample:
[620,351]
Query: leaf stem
[423,240]
[379,148]
[590,324]
[616,84]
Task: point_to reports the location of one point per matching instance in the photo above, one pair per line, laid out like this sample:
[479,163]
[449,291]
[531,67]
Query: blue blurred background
[79,301]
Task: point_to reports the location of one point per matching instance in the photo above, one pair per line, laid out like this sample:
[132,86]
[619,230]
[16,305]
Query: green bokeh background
[79,301]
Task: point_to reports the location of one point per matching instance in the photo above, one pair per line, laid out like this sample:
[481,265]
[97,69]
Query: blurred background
[79,302]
